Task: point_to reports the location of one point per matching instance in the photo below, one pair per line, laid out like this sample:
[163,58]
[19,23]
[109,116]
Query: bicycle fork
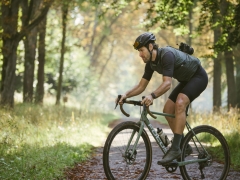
[136,142]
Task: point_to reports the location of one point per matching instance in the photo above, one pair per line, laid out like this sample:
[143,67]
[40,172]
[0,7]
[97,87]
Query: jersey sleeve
[168,64]
[148,72]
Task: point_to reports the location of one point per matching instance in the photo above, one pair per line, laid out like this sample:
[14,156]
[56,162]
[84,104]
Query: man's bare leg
[180,113]
[177,125]
[169,108]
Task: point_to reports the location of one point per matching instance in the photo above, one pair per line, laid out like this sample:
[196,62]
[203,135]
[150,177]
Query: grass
[228,123]
[40,142]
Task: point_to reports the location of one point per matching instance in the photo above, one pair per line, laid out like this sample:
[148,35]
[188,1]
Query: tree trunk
[238,81]
[190,27]
[231,92]
[8,87]
[190,23]
[41,62]
[29,65]
[237,61]
[217,72]
[9,50]
[64,25]
[30,43]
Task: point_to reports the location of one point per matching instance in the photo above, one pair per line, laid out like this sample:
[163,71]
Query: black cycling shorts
[193,88]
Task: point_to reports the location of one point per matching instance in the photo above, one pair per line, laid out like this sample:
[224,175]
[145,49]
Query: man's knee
[181,103]
[180,106]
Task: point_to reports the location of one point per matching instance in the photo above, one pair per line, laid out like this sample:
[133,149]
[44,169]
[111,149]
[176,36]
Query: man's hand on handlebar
[148,100]
[122,98]
[120,101]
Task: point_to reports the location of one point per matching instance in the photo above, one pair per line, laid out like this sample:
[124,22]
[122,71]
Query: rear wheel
[122,163]
[214,148]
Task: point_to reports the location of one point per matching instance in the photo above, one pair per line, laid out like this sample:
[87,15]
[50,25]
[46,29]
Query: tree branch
[35,22]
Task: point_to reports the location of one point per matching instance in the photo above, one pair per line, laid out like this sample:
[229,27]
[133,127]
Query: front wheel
[212,147]
[121,161]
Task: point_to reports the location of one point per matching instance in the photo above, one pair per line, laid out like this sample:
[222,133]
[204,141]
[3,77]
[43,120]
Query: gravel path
[93,168]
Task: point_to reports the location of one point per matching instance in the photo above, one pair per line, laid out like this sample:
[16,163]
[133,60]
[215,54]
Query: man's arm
[164,87]
[136,90]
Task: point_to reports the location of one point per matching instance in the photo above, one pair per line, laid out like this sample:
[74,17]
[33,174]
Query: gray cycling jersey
[185,65]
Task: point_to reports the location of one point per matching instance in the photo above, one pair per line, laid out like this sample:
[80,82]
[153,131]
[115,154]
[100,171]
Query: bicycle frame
[145,120]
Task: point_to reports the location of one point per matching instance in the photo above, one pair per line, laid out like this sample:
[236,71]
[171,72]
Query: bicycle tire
[118,165]
[217,167]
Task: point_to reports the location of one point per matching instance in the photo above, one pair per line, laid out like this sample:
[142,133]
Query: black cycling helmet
[143,40]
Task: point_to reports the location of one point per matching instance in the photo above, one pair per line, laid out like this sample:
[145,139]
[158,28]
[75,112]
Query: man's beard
[147,59]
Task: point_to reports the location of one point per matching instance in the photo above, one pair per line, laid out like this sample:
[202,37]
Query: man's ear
[150,46]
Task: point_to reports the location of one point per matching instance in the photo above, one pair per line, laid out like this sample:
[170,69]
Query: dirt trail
[93,168]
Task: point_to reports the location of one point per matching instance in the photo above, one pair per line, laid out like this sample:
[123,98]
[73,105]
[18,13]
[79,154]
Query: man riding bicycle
[171,63]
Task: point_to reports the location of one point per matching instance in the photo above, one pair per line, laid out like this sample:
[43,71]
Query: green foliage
[182,30]
[213,14]
[169,13]
[234,145]
[224,15]
[209,13]
[34,162]
[40,142]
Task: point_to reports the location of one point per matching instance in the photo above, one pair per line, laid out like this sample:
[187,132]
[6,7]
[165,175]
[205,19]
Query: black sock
[176,142]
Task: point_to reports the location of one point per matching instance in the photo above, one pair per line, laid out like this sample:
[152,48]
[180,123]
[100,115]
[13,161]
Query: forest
[60,47]
[66,61]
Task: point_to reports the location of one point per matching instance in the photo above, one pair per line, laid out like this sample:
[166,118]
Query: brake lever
[119,97]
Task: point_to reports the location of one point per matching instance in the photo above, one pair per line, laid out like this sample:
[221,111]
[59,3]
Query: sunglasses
[136,44]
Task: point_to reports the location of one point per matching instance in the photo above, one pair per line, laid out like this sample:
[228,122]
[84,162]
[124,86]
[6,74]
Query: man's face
[144,54]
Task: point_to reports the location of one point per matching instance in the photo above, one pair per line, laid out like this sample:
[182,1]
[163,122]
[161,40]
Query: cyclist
[171,63]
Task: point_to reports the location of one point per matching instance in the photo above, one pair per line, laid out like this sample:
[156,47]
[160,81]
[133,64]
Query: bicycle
[127,152]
